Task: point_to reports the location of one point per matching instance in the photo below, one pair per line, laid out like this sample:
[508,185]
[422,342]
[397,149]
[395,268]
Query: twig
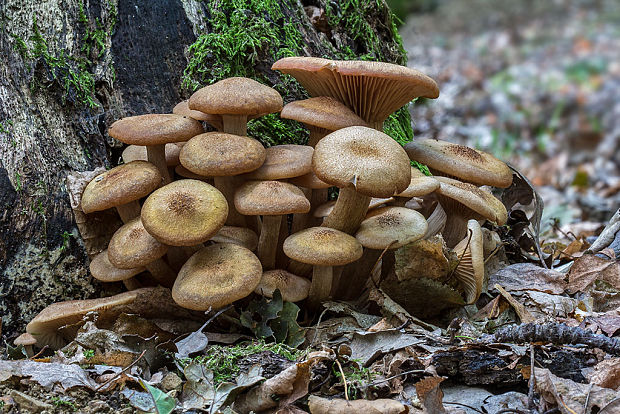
[470,233]
[586,408]
[40,352]
[511,410]
[344,379]
[374,267]
[413,371]
[218,313]
[121,372]
[615,400]
[316,329]
[532,384]
[464,405]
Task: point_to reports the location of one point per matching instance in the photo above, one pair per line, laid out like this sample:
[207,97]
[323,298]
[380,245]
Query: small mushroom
[27,341]
[292,287]
[102,269]
[470,269]
[139,153]
[237,235]
[182,108]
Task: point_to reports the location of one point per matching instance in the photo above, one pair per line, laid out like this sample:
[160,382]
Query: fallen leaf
[528,276]
[430,394]
[606,374]
[47,374]
[163,403]
[320,405]
[588,269]
[368,346]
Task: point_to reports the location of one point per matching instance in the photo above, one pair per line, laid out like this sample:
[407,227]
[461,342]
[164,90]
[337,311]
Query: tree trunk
[72,67]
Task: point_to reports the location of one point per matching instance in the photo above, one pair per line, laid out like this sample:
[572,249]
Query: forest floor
[535,83]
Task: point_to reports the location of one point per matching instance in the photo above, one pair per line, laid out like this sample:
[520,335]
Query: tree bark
[72,67]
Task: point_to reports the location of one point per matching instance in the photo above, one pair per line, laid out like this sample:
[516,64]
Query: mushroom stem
[227,186]
[235,124]
[454,230]
[162,273]
[300,220]
[156,155]
[356,275]
[349,211]
[319,196]
[129,211]
[436,222]
[281,258]
[321,287]
[268,241]
[378,125]
[316,134]
[132,284]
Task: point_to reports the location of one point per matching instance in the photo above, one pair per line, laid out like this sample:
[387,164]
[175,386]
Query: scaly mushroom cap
[322,112]
[216,276]
[373,90]
[481,203]
[102,269]
[155,129]
[237,235]
[270,198]
[182,108]
[184,213]
[138,152]
[216,154]
[322,246]
[370,161]
[236,96]
[391,226]
[120,185]
[466,164]
[284,161]
[419,185]
[470,269]
[292,287]
[132,246]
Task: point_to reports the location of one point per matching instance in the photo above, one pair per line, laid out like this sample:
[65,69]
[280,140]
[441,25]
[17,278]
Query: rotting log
[70,68]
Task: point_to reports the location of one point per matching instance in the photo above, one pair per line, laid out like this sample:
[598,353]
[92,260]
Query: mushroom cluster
[215,216]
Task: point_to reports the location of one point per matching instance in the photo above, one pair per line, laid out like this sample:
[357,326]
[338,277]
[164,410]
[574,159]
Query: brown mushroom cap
[236,96]
[270,198]
[25,339]
[216,276]
[284,161]
[102,269]
[470,269]
[138,152]
[391,227]
[309,180]
[216,154]
[482,203]
[154,129]
[322,246]
[292,287]
[419,185]
[465,163]
[363,157]
[132,246]
[182,108]
[237,235]
[120,185]
[323,112]
[184,213]
[373,90]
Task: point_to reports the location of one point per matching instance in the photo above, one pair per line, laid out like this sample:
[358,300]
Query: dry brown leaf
[527,276]
[430,395]
[606,374]
[492,309]
[588,269]
[320,405]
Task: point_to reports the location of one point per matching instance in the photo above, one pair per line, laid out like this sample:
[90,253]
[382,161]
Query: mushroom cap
[184,213]
[465,163]
[322,246]
[309,180]
[419,185]
[102,269]
[216,276]
[373,90]
[132,246]
[138,152]
[322,112]
[470,270]
[481,202]
[120,185]
[25,339]
[270,198]
[365,158]
[182,108]
[391,227]
[236,96]
[217,154]
[284,161]
[292,287]
[155,129]
[237,235]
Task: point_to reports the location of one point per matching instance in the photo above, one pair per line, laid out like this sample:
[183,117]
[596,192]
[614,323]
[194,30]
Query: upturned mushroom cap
[155,129]
[138,152]
[132,246]
[322,112]
[120,185]
[466,164]
[236,96]
[373,90]
[470,269]
[184,213]
[481,203]
[102,269]
[270,198]
[370,161]
[325,209]
[284,161]
[182,108]
[391,227]
[25,339]
[419,185]
[322,246]
[237,235]
[216,276]
[292,287]
[217,154]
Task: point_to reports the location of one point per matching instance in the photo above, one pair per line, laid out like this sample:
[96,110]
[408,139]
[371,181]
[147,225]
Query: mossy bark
[72,67]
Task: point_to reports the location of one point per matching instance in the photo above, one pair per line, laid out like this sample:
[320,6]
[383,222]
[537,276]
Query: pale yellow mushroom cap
[155,129]
[132,246]
[391,227]
[322,246]
[292,287]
